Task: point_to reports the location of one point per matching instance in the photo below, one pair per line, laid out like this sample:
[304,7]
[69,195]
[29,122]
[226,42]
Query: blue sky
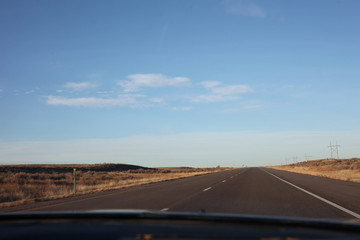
[175,83]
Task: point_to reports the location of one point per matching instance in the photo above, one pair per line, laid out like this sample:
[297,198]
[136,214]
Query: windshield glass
[216,106]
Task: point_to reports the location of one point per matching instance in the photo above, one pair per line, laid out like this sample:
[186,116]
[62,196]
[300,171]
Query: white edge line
[354,214]
[207,189]
[164,209]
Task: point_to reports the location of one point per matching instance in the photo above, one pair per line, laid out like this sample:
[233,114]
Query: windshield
[215,106]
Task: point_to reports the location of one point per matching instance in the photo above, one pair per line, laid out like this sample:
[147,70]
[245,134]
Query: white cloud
[222,93]
[232,90]
[30,91]
[80,86]
[244,8]
[216,92]
[209,84]
[138,81]
[225,90]
[122,101]
[209,98]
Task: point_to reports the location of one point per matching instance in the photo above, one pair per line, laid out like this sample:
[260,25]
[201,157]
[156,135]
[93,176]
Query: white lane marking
[207,189]
[318,197]
[231,177]
[164,209]
[224,181]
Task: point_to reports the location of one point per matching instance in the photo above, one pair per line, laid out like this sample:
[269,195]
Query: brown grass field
[342,169]
[21,184]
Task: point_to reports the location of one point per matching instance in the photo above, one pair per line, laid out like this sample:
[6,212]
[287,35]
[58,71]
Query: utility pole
[337,150]
[307,157]
[333,149]
[74,181]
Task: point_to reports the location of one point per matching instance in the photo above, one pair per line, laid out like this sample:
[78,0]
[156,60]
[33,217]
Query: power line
[337,150]
[334,149]
[307,157]
[331,150]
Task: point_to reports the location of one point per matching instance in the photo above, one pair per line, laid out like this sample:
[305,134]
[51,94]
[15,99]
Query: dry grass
[23,184]
[342,169]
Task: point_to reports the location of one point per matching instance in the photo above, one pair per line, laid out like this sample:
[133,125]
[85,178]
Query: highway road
[259,191]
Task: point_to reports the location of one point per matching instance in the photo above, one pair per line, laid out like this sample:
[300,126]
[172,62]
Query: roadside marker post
[74,181]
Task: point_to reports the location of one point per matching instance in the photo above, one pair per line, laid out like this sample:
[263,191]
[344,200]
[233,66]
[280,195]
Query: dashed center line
[224,181]
[164,209]
[207,189]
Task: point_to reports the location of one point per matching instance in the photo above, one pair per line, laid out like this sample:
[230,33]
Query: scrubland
[20,184]
[342,169]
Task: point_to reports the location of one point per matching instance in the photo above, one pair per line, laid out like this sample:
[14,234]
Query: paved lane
[151,197]
[244,191]
[346,194]
[257,192]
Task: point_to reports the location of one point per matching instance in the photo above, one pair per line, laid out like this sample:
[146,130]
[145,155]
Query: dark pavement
[239,191]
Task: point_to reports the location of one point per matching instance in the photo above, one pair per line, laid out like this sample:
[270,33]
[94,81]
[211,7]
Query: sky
[195,83]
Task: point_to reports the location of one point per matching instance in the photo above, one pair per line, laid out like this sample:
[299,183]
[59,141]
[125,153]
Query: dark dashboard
[160,225]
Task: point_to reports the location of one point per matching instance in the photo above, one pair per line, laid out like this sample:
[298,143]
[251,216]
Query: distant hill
[64,168]
[342,169]
[334,164]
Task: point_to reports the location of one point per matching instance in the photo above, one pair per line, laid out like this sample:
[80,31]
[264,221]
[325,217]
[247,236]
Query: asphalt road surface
[259,191]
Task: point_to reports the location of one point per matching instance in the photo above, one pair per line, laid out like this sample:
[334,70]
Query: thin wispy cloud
[232,90]
[211,92]
[138,81]
[210,98]
[245,106]
[80,86]
[252,105]
[209,84]
[126,100]
[30,91]
[219,93]
[182,108]
[244,8]
[156,100]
